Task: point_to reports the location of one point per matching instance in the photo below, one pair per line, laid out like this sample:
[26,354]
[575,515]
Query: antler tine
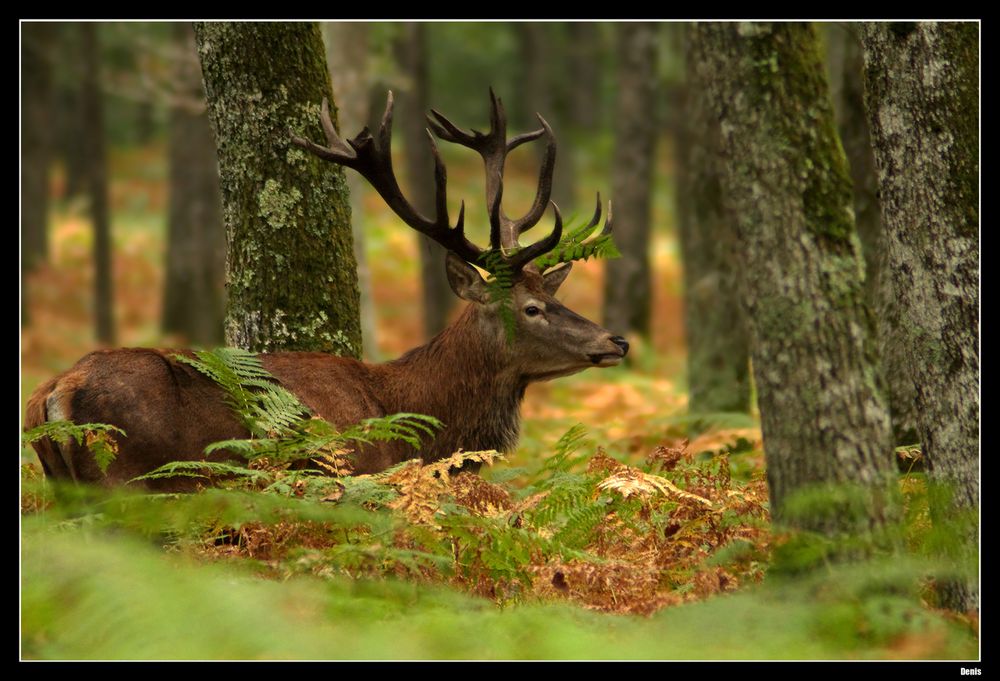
[607,223]
[544,193]
[448,131]
[597,215]
[441,183]
[498,239]
[529,253]
[374,163]
[518,140]
[336,150]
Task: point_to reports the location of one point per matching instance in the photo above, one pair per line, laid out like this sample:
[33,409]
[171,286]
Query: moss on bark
[784,177]
[291,272]
[922,90]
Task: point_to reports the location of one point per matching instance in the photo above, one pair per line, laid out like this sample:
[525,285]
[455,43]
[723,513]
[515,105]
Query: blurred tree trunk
[37,43]
[66,113]
[922,96]
[291,274]
[584,76]
[715,326]
[785,177]
[145,122]
[92,112]
[411,55]
[846,65]
[544,77]
[627,285]
[194,291]
[347,57]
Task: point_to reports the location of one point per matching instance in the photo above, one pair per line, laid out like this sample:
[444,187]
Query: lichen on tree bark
[291,271]
[824,420]
[922,92]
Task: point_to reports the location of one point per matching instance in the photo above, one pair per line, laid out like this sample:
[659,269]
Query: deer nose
[622,343]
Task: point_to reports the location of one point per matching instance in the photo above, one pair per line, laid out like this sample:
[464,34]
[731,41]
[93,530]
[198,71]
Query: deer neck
[465,377]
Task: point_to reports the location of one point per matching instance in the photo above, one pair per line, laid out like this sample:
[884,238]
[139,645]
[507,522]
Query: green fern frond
[577,243]
[402,426]
[366,491]
[565,447]
[264,407]
[201,469]
[500,288]
[99,438]
[282,428]
[580,523]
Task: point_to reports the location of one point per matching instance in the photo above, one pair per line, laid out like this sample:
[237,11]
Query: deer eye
[532,311]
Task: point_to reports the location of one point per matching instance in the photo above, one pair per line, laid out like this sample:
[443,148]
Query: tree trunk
[627,286]
[411,55]
[584,76]
[291,273]
[846,66]
[92,112]
[347,57]
[194,292]
[542,77]
[66,112]
[824,421]
[145,121]
[37,42]
[718,340]
[922,91]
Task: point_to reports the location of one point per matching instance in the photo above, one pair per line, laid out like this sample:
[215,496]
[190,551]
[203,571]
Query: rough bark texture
[785,177]
[347,57]
[411,54]
[36,129]
[290,271]
[846,65]
[922,92]
[715,326]
[194,293]
[627,289]
[92,112]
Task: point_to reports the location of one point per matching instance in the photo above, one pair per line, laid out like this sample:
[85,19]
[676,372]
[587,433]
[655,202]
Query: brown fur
[469,377]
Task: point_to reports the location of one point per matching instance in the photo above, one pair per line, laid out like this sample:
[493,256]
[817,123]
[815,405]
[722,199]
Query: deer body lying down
[472,376]
[469,377]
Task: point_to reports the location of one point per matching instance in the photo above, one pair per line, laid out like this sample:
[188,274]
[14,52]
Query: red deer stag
[472,376]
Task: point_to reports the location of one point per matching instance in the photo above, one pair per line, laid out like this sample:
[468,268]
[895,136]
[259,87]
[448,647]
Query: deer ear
[553,279]
[465,280]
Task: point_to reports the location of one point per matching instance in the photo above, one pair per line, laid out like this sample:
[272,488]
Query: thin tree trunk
[66,112]
[145,121]
[347,57]
[922,90]
[846,66]
[628,284]
[92,112]
[825,422]
[411,54]
[543,76]
[718,339]
[584,76]
[194,291]
[291,273]
[37,42]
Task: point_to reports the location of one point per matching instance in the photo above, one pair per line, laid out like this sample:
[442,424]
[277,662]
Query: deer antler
[374,162]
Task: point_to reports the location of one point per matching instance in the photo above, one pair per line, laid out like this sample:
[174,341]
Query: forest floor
[610,600]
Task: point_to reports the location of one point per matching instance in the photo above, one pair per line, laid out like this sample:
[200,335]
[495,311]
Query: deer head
[549,340]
